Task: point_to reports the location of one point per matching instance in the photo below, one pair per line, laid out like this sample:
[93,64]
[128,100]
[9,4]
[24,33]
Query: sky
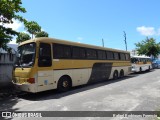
[90,21]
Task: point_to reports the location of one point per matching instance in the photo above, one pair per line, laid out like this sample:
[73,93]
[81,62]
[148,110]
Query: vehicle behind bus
[141,63]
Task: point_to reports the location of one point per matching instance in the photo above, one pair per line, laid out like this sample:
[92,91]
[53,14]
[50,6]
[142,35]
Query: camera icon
[7,114]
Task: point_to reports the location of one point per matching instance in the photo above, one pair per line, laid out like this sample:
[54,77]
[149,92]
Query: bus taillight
[31,80]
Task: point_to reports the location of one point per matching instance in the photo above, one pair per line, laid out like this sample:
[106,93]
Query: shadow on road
[7,100]
[54,94]
[141,73]
[8,103]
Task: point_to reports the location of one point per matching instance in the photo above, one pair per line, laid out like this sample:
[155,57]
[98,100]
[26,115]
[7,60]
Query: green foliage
[8,10]
[22,37]
[32,27]
[42,34]
[148,47]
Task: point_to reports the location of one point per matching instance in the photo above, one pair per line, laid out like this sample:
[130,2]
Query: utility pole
[102,42]
[125,39]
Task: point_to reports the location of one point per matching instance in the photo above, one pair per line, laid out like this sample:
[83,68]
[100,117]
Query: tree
[8,10]
[32,27]
[42,34]
[22,37]
[148,47]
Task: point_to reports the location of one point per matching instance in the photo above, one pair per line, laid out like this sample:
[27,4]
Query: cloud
[26,32]
[42,29]
[158,32]
[146,31]
[80,38]
[13,42]
[16,25]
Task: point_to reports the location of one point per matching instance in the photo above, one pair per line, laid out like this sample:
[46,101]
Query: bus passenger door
[45,72]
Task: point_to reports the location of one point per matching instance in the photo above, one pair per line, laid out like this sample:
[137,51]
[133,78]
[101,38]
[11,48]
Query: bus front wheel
[64,84]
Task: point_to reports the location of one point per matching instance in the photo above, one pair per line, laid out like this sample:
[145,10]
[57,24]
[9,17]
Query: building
[135,53]
[7,61]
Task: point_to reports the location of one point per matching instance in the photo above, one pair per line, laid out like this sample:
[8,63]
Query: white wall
[6,67]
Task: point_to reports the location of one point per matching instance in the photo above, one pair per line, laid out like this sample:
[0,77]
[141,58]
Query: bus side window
[57,51]
[116,56]
[44,59]
[78,53]
[144,61]
[127,56]
[91,54]
[110,55]
[122,56]
[101,55]
[138,60]
[61,51]
[134,60]
[66,52]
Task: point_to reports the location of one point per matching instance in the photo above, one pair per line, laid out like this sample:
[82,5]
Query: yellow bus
[49,63]
[141,63]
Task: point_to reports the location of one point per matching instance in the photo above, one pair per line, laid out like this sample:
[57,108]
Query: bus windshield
[26,55]
[134,60]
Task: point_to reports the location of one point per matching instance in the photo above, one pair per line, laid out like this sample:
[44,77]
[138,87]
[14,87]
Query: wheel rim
[65,84]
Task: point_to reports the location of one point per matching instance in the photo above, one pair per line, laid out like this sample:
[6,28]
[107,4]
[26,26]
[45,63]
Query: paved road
[136,92]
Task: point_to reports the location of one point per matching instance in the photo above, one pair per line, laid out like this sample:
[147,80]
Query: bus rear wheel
[115,75]
[64,84]
[149,68]
[121,73]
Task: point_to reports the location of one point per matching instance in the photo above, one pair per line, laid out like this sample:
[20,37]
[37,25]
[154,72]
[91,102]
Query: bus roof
[140,57]
[66,42]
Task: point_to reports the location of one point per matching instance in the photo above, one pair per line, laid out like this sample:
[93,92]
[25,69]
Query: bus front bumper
[26,87]
[134,70]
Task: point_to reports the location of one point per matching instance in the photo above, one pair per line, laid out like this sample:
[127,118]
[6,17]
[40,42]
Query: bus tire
[140,69]
[115,75]
[121,73]
[149,68]
[64,84]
